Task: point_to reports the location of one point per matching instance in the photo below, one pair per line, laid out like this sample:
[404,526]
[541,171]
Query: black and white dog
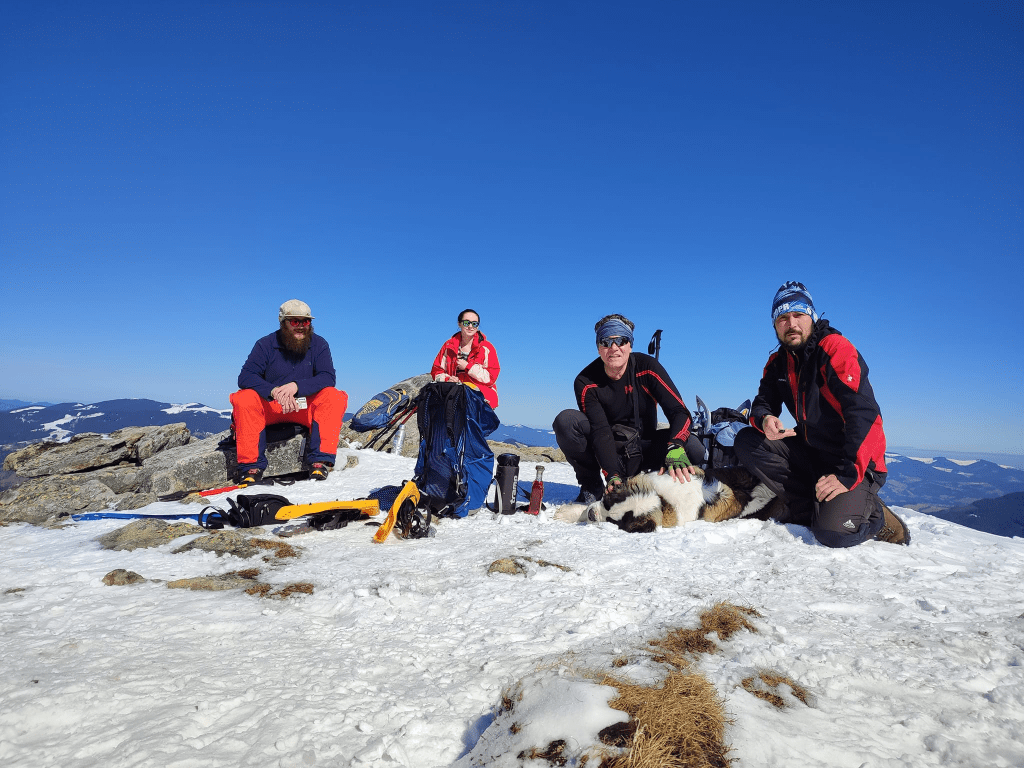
[648,501]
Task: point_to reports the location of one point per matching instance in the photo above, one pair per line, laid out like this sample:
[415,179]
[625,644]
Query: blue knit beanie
[793,297]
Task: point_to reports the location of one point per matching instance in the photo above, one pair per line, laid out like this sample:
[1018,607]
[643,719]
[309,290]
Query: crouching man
[828,470]
[616,426]
[288,377]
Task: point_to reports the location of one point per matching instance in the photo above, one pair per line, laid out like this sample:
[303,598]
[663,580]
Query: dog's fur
[648,501]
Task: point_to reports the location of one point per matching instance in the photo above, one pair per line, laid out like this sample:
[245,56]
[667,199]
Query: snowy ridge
[913,656]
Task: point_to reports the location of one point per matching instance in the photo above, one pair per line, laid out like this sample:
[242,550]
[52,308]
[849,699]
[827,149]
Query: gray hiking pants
[791,468]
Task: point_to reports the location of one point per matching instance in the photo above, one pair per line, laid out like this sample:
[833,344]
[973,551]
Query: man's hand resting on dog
[677,464]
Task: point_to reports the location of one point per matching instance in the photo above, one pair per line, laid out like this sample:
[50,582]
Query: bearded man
[288,377]
[829,469]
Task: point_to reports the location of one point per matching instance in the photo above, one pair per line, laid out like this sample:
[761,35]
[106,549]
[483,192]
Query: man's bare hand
[773,429]
[828,487]
[680,474]
[285,397]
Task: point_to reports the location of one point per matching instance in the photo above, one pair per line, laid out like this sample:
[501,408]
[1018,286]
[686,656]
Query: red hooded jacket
[482,366]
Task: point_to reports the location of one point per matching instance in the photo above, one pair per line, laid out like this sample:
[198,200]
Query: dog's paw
[570,513]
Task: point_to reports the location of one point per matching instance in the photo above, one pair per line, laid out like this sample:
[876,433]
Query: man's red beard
[297,346]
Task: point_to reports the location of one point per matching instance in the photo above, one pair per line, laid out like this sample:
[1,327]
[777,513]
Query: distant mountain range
[928,484]
[58,422]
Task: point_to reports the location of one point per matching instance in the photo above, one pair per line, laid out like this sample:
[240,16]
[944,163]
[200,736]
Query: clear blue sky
[172,172]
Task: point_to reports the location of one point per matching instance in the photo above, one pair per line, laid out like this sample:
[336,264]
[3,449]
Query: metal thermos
[507,477]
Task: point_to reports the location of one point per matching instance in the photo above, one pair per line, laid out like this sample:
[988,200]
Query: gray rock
[118,479]
[121,578]
[527,452]
[89,450]
[216,583]
[239,543]
[203,464]
[46,500]
[149,532]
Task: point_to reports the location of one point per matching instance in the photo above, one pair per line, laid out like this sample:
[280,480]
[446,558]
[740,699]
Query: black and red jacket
[825,387]
[606,402]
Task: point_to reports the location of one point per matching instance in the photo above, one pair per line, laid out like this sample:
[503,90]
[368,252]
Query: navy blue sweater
[270,365]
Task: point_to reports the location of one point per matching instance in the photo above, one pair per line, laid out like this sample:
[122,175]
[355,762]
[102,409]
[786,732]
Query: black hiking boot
[587,496]
[319,471]
[250,477]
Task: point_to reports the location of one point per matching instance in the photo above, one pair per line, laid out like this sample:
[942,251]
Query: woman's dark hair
[463,313]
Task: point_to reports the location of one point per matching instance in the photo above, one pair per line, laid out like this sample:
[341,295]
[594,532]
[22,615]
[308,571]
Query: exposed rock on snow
[142,534]
[519,565]
[239,543]
[119,577]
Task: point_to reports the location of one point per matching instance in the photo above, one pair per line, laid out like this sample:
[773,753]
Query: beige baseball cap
[294,308]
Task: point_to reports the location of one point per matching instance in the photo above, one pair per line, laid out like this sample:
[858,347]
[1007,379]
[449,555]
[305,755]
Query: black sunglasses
[613,341]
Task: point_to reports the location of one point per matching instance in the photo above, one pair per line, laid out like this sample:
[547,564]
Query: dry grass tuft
[248,573]
[679,725]
[280,548]
[298,588]
[259,589]
[552,753]
[620,661]
[726,619]
[676,644]
[768,686]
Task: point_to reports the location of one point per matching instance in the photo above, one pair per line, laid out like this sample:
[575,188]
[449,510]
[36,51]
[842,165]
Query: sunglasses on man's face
[470,323]
[616,341]
[297,322]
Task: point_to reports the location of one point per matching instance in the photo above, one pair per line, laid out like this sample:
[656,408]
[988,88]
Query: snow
[57,432]
[198,408]
[913,656]
[28,408]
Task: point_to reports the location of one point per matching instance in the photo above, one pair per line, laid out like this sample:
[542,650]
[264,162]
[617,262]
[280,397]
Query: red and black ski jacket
[606,402]
[825,387]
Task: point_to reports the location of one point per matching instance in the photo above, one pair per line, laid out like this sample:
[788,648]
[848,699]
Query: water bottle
[537,492]
[399,440]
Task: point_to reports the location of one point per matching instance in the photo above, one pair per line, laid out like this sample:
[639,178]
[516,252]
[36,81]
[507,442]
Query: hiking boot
[893,529]
[250,477]
[585,497]
[319,471]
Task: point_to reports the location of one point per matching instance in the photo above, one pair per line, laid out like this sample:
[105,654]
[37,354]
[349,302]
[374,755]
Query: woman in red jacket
[470,358]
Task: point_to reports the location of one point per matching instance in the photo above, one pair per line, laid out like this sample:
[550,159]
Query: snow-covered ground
[913,656]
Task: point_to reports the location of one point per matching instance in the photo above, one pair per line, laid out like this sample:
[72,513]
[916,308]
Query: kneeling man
[289,377]
[828,470]
[616,426]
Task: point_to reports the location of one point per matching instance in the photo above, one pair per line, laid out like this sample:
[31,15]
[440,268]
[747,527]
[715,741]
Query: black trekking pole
[655,346]
[394,421]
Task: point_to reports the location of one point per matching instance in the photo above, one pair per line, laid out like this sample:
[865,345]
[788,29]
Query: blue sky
[172,172]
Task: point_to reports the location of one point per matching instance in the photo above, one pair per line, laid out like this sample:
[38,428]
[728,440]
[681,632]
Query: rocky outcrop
[88,450]
[119,577]
[129,469]
[205,464]
[527,452]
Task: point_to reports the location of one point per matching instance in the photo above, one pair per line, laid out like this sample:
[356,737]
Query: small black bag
[245,512]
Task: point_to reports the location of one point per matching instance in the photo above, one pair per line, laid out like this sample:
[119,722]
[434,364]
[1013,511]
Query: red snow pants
[322,416]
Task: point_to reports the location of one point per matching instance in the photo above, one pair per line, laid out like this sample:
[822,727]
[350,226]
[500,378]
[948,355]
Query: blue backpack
[455,465]
[381,409]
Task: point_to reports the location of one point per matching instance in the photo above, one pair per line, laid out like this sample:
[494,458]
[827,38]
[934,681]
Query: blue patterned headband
[614,327]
